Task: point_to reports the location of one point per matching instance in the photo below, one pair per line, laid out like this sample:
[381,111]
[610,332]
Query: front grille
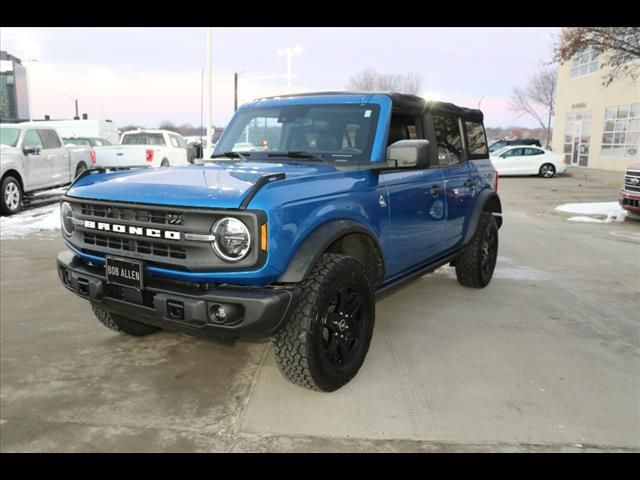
[136,246]
[632,181]
[139,215]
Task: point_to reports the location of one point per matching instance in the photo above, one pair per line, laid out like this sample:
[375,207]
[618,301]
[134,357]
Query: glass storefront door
[577,137]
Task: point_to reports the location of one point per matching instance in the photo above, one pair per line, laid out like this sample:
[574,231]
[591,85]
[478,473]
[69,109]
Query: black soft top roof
[411,104]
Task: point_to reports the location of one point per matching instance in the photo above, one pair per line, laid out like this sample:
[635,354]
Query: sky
[144,76]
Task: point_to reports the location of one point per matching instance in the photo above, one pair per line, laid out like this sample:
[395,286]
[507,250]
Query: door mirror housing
[409,153]
[32,150]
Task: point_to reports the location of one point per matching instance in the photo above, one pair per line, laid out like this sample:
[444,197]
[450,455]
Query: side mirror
[32,151]
[409,153]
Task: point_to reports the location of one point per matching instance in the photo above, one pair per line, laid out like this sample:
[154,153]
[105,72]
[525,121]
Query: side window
[476,140]
[448,139]
[514,152]
[403,127]
[50,139]
[32,139]
[533,151]
[174,141]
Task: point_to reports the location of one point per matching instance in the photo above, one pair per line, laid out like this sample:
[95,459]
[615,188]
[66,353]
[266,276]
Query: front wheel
[477,261]
[547,170]
[11,199]
[164,163]
[324,344]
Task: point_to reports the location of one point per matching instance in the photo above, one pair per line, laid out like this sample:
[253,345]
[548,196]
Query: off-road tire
[121,324]
[301,347]
[9,208]
[469,263]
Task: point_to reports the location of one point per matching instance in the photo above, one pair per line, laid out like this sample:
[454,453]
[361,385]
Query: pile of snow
[611,211]
[37,220]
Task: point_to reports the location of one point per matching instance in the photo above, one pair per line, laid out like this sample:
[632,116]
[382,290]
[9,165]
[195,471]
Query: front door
[37,171]
[417,217]
[56,156]
[577,137]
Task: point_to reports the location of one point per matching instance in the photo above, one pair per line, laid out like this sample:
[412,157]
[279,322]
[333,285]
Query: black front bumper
[253,313]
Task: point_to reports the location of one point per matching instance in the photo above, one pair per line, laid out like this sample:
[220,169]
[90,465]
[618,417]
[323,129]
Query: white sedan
[528,160]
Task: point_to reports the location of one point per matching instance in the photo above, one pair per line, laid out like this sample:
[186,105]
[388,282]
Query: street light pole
[235,91]
[289,52]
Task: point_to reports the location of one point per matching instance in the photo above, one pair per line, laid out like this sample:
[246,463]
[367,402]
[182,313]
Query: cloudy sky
[147,75]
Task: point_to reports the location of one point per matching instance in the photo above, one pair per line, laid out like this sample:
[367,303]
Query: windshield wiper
[232,155]
[298,154]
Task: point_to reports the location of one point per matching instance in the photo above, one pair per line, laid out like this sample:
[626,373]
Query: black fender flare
[487,195]
[317,243]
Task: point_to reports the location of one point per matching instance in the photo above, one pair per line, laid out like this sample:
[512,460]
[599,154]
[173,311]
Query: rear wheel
[121,324]
[324,344]
[477,261]
[11,196]
[79,169]
[547,170]
[164,163]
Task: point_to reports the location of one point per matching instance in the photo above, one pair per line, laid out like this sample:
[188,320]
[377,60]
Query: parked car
[630,193]
[360,194]
[34,158]
[499,144]
[156,148]
[528,161]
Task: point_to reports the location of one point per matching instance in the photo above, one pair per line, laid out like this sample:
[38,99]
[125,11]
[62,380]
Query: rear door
[534,158]
[459,180]
[416,207]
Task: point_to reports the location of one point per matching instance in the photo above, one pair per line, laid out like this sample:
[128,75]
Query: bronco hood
[215,185]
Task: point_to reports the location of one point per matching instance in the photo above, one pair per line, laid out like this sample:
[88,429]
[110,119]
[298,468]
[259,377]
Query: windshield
[9,136]
[497,146]
[342,133]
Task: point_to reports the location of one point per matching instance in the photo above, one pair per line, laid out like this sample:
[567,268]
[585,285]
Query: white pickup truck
[32,157]
[157,148]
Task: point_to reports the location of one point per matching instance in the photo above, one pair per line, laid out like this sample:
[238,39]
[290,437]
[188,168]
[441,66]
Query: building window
[621,132]
[584,63]
[577,137]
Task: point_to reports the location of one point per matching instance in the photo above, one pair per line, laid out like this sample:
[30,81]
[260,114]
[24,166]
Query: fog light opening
[224,313]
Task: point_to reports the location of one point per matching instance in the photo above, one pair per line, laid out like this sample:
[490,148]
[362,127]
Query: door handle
[470,183]
[436,190]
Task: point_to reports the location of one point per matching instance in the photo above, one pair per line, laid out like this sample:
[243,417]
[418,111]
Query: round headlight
[232,239]
[66,218]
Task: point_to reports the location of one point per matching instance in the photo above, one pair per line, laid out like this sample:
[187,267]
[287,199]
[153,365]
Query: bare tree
[620,44]
[168,125]
[371,80]
[537,99]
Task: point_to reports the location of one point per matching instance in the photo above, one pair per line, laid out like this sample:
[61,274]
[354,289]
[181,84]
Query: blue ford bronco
[311,209]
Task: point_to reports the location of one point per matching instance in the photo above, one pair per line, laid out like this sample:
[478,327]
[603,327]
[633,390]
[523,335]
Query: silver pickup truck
[32,157]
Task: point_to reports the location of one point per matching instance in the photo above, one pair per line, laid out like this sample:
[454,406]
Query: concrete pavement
[546,358]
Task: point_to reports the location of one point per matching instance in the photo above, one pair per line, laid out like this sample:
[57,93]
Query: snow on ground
[612,211]
[44,219]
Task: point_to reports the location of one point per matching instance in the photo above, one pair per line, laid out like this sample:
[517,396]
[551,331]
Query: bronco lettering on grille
[131,230]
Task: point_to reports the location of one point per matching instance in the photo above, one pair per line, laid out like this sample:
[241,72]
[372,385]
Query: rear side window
[533,151]
[50,139]
[477,140]
[448,139]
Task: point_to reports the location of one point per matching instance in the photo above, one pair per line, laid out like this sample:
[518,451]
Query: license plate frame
[119,271]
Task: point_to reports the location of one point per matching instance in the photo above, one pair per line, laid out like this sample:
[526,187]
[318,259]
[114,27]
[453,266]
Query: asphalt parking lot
[546,358]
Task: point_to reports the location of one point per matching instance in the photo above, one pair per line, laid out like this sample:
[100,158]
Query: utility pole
[209,48]
[77,117]
[235,91]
